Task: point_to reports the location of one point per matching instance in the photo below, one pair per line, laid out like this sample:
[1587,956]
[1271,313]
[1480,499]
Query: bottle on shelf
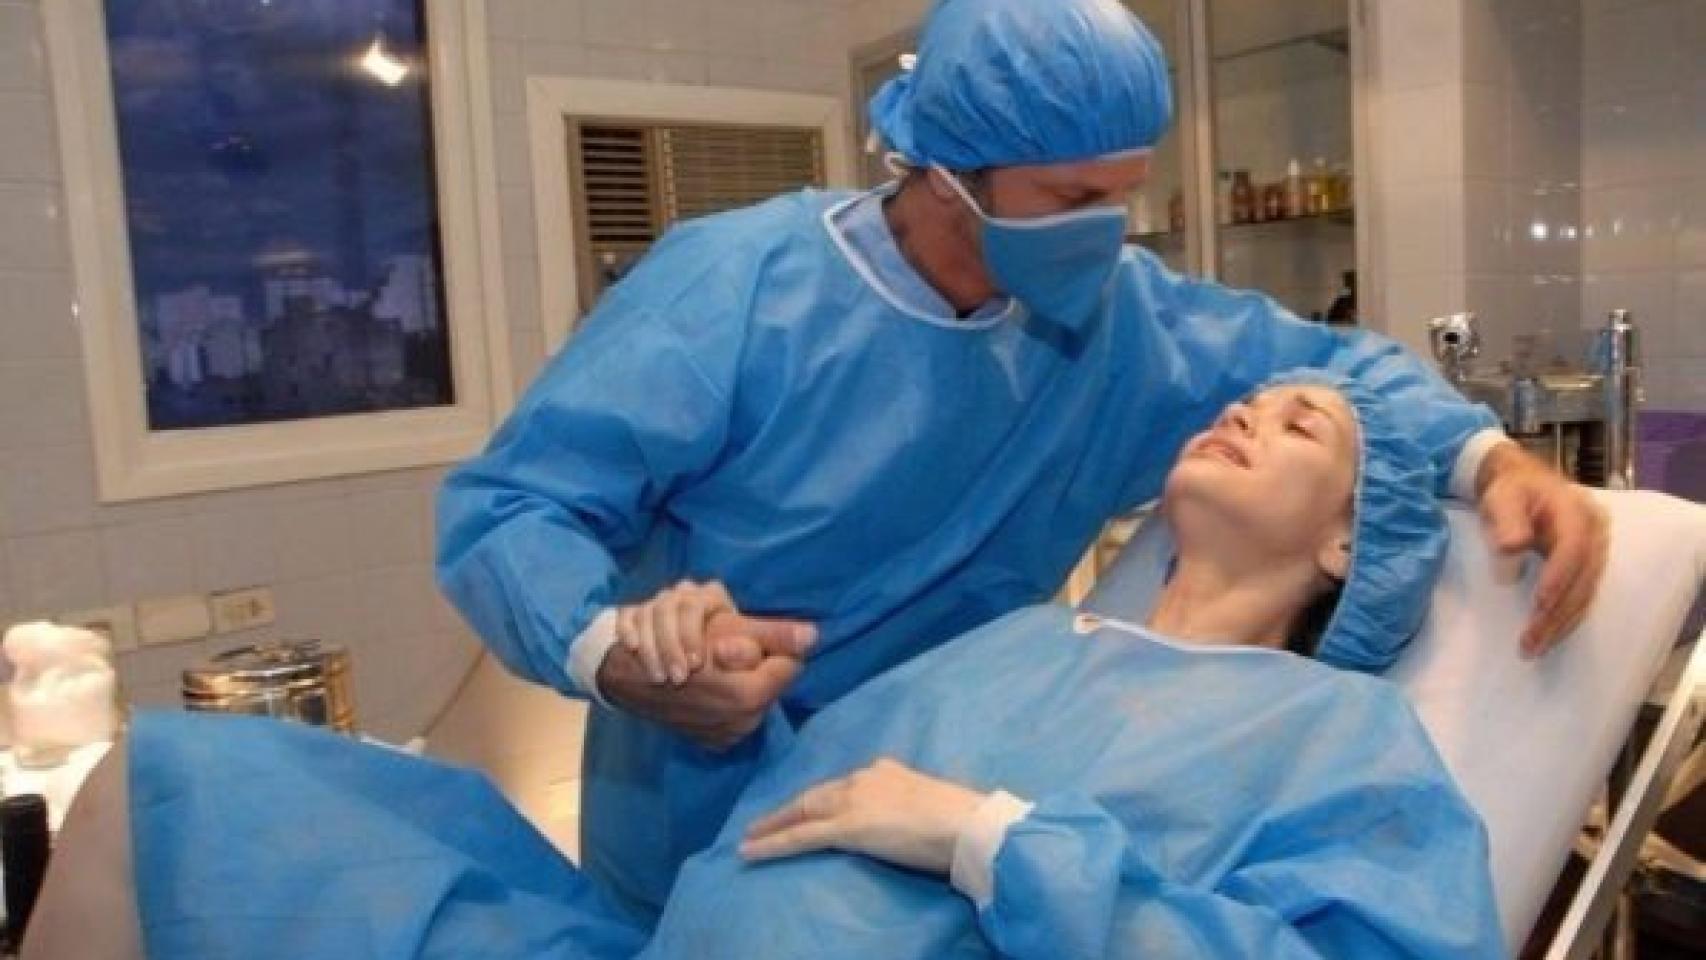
[1223,198]
[1296,199]
[1315,188]
[1176,212]
[1273,201]
[1243,198]
[1340,191]
[1343,312]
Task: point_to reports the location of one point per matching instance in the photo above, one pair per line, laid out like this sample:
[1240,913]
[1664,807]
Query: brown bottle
[1243,198]
[1176,212]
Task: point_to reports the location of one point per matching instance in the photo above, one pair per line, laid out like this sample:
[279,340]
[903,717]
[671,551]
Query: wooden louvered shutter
[632,180]
[712,169]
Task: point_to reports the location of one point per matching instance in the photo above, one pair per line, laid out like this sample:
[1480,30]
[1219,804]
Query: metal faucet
[1617,358]
[1455,342]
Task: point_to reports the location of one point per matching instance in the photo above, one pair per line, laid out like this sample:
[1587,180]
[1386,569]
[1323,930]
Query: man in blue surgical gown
[881,420]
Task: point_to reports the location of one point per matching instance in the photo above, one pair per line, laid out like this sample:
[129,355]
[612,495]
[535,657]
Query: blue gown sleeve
[533,534]
[1348,879]
[1227,342]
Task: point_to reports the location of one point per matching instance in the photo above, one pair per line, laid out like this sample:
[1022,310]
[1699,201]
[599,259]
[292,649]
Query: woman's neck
[1207,603]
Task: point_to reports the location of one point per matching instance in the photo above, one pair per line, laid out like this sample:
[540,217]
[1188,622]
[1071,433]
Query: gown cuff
[973,869]
[587,653]
[1468,466]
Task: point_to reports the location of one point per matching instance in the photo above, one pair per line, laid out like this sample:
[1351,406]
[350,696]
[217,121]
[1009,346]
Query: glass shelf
[1171,238]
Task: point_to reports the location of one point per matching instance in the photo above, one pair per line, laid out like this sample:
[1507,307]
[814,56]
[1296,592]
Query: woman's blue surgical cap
[1003,83]
[1398,536]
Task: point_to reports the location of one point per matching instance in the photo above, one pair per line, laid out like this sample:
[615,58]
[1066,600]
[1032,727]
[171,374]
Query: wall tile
[48,489]
[730,33]
[23,56]
[1629,228]
[1423,229]
[42,404]
[313,538]
[557,21]
[322,608]
[156,558]
[56,572]
[680,25]
[741,71]
[387,529]
[554,59]
[512,147]
[675,67]
[509,73]
[1545,144]
[1634,139]
[1487,227]
[1689,318]
[37,322]
[1691,232]
[614,24]
[32,229]
[1639,47]
[507,19]
[1419,44]
[29,150]
[234,548]
[1421,135]
[1486,131]
[1545,227]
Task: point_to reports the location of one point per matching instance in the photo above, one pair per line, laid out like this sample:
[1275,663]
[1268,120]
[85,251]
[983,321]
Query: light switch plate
[173,619]
[245,609]
[117,623]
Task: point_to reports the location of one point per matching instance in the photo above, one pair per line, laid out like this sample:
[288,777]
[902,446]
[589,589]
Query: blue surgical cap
[1398,536]
[1016,82]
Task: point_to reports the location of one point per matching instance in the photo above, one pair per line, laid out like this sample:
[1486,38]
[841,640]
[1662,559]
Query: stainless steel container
[302,680]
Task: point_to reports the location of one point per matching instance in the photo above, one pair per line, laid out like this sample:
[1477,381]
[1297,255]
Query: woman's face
[1272,480]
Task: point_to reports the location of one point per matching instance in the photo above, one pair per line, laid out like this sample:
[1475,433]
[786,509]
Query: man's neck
[938,246]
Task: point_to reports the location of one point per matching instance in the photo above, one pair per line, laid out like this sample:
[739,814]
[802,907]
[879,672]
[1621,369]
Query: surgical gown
[1191,801]
[750,406]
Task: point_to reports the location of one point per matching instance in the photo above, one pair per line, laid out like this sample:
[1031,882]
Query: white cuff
[973,869]
[1468,466]
[587,653]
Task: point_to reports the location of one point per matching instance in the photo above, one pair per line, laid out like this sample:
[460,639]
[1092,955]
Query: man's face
[1045,189]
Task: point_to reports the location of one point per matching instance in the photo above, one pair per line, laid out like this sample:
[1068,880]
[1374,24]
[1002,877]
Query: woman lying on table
[1223,780]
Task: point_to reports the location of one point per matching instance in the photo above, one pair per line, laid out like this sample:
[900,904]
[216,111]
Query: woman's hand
[669,634]
[887,811]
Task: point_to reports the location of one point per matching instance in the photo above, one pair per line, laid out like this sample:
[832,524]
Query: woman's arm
[1373,870]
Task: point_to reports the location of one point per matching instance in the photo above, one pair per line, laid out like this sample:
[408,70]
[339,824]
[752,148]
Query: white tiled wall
[349,559]
[1643,137]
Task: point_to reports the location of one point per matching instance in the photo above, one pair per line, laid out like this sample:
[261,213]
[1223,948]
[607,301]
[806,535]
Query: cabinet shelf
[1343,218]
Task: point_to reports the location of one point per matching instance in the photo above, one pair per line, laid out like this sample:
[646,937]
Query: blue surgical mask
[1055,265]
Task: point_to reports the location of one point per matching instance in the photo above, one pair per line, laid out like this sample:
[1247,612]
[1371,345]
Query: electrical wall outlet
[173,619]
[116,623]
[244,609]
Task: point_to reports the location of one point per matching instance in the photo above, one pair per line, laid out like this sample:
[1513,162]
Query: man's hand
[887,810]
[724,700]
[1526,505]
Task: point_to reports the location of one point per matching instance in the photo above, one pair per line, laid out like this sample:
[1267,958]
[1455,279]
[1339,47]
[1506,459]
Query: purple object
[1670,453]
